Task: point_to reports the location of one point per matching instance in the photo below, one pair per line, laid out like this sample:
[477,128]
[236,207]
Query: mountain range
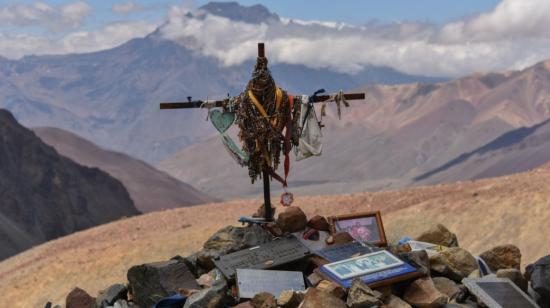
[473,127]
[149,188]
[111,97]
[45,195]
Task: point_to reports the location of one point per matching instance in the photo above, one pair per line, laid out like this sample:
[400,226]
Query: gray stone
[501,257]
[361,296]
[422,293]
[213,297]
[515,275]
[439,235]
[151,282]
[110,295]
[538,274]
[454,263]
[419,259]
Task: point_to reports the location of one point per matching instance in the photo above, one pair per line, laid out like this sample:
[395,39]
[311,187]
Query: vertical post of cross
[265,173]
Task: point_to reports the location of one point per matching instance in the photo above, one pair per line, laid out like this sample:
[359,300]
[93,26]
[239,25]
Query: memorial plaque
[498,293]
[345,251]
[251,282]
[265,256]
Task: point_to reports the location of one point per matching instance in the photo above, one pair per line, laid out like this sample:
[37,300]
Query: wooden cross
[220,103]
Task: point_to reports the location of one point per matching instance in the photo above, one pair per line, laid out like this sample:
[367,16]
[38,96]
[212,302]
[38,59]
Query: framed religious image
[363,227]
[363,265]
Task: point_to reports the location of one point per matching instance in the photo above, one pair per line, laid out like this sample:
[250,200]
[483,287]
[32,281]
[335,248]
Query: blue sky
[430,37]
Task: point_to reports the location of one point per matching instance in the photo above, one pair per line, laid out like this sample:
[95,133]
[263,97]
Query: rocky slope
[399,133]
[150,189]
[44,195]
[483,213]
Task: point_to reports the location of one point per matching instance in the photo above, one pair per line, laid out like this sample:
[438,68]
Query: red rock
[502,257]
[319,222]
[79,298]
[293,219]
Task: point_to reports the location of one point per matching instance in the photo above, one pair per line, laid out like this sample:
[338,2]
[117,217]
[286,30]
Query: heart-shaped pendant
[222,120]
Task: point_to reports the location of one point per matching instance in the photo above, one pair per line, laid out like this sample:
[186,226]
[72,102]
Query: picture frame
[364,227]
[498,292]
[363,265]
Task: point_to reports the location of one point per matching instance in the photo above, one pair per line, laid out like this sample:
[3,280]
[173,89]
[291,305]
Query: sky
[430,37]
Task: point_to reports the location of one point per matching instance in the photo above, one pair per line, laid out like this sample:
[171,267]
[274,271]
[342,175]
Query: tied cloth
[310,142]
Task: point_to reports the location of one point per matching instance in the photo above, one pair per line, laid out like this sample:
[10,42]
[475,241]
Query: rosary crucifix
[271,122]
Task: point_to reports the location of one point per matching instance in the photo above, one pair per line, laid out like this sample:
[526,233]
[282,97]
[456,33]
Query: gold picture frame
[360,227]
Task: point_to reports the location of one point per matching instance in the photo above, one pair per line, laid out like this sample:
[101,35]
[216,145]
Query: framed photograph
[363,227]
[498,292]
[363,265]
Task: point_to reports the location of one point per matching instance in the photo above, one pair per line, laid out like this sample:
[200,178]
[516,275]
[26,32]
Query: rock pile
[196,280]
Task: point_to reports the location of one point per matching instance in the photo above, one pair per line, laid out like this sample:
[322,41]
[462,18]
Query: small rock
[79,298]
[110,295]
[361,296]
[341,238]
[121,304]
[454,263]
[314,279]
[445,286]
[332,288]
[422,293]
[315,298]
[293,219]
[290,299]
[151,282]
[515,275]
[393,301]
[418,259]
[264,300]
[439,235]
[274,228]
[475,274]
[503,256]
[212,297]
[319,222]
[206,280]
[247,304]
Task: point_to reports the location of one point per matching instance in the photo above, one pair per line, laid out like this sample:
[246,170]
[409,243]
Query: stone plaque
[345,251]
[498,293]
[251,282]
[268,255]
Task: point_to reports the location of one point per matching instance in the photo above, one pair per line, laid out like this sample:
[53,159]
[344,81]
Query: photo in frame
[363,265]
[363,227]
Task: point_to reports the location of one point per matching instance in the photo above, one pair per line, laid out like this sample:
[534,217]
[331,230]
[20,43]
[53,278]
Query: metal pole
[267,197]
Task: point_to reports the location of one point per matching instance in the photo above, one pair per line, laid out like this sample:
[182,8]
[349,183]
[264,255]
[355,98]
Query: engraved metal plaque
[498,293]
[345,251]
[268,255]
[251,282]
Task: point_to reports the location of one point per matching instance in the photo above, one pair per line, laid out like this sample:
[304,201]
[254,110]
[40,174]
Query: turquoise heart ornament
[222,120]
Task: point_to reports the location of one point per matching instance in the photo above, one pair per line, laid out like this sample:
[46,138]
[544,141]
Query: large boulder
[79,298]
[109,296]
[151,282]
[228,240]
[439,235]
[422,293]
[454,263]
[361,296]
[501,257]
[293,219]
[315,298]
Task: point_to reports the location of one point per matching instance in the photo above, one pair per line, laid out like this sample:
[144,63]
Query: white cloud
[513,35]
[55,18]
[127,7]
[112,35]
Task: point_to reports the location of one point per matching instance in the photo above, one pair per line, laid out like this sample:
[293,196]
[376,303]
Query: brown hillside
[150,188]
[511,209]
